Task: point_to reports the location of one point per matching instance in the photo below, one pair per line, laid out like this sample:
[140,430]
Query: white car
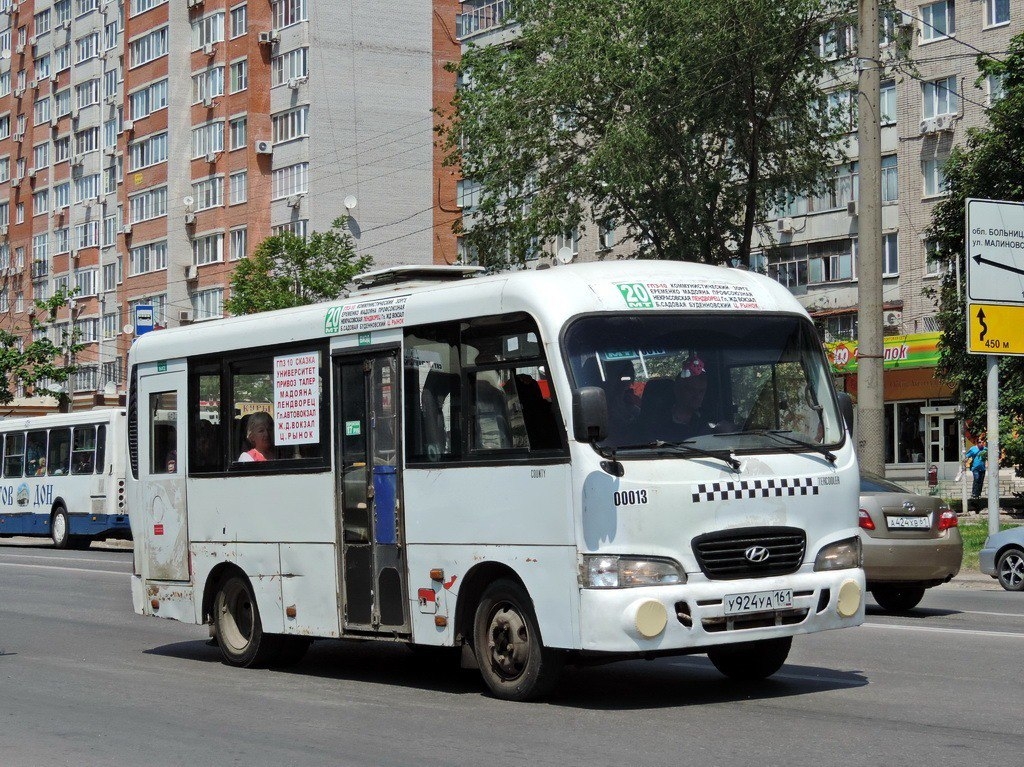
[1002,557]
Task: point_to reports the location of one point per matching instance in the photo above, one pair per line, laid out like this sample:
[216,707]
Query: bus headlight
[615,572]
[841,555]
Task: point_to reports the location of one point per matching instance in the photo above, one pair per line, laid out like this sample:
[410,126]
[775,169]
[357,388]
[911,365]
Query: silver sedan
[1002,557]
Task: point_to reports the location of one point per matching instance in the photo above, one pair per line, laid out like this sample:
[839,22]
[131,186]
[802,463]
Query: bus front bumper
[666,618]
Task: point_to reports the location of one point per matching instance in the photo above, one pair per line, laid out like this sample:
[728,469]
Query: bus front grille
[750,552]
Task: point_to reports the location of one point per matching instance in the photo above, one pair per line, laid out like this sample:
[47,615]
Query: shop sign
[917,350]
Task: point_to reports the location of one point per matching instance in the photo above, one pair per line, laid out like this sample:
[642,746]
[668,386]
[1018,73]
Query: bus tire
[59,527]
[237,626]
[751,661]
[506,640]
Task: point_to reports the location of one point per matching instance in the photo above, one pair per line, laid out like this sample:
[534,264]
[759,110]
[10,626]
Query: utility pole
[870,387]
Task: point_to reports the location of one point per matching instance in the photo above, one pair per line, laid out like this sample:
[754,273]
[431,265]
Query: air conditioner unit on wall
[851,208]
[263,147]
[208,49]
[784,225]
[191,273]
[268,38]
[944,122]
[892,318]
[928,125]
[185,315]
[294,201]
[194,3]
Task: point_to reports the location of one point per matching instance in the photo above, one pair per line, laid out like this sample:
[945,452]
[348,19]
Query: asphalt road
[85,682]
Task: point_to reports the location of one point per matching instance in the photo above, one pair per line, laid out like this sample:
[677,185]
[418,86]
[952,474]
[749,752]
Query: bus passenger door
[369,477]
[161,521]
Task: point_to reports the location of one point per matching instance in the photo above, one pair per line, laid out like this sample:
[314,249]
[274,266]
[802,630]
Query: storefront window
[905,433]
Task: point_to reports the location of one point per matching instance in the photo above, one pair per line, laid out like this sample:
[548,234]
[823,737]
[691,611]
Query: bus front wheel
[59,528]
[237,625]
[751,661]
[513,661]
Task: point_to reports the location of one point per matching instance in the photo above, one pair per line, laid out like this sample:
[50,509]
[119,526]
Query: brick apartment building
[148,145]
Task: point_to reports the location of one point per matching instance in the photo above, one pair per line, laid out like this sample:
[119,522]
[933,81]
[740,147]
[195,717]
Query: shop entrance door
[944,443]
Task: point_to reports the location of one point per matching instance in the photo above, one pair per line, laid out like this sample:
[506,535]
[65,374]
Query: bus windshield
[740,382]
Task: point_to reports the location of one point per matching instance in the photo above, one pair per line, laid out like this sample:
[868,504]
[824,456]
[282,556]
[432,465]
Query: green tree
[287,270]
[47,359]
[682,121]
[989,165]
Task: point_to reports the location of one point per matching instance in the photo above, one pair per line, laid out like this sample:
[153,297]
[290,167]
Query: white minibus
[570,465]
[63,477]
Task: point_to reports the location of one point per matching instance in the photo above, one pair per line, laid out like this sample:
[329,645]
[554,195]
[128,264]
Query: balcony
[482,18]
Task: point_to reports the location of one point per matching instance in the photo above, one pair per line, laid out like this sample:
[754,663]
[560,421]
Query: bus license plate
[758,601]
[909,523]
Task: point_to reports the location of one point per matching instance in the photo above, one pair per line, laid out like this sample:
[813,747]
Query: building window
[239,76]
[890,179]
[141,6]
[111,324]
[40,202]
[287,12]
[890,255]
[147,100]
[207,139]
[288,66]
[87,47]
[830,261]
[842,188]
[239,20]
[239,243]
[905,432]
[208,84]
[606,234]
[87,188]
[940,97]
[208,304]
[208,193]
[151,46]
[87,235]
[842,107]
[208,249]
[887,103]
[938,20]
[291,180]
[997,12]
[148,258]
[208,30]
[86,282]
[239,183]
[995,85]
[239,132]
[934,263]
[147,205]
[934,177]
[87,93]
[839,42]
[290,125]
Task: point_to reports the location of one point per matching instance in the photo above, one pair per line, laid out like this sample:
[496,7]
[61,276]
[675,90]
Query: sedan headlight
[841,555]
[615,572]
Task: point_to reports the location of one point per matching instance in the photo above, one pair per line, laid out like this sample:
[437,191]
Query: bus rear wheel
[751,661]
[506,640]
[237,625]
[59,528]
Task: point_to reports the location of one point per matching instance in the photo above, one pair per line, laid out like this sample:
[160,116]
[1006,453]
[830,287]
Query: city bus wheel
[506,641]
[59,528]
[237,626]
[751,661]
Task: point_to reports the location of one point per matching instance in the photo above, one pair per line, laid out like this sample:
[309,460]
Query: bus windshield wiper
[784,435]
[686,449]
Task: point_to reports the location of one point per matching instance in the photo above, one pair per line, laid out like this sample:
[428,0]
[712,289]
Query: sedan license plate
[758,601]
[909,523]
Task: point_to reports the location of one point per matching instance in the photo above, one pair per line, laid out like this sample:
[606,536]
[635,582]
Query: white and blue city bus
[63,477]
[514,464]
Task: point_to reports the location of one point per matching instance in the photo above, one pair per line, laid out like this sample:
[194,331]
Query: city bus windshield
[735,382]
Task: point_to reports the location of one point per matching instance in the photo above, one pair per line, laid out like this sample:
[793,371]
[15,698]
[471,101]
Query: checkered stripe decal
[754,488]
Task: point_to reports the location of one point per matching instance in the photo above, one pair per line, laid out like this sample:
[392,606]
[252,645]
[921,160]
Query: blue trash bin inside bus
[385,485]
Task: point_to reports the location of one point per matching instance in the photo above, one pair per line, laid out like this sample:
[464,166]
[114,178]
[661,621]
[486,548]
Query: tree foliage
[287,270]
[682,121]
[989,165]
[45,360]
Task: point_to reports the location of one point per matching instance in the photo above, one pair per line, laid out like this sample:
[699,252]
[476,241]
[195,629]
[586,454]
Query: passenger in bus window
[41,468]
[260,434]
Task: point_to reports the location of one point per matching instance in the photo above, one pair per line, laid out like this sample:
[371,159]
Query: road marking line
[997,615]
[69,569]
[937,630]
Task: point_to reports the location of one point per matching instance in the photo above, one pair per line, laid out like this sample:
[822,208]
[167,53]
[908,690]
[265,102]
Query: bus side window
[58,463]
[83,450]
[14,455]
[163,408]
[101,448]
[35,454]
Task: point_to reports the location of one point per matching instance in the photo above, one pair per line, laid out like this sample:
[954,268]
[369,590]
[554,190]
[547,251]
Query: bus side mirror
[589,414]
[846,408]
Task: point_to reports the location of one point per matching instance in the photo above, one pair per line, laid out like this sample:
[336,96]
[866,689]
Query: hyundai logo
[756,554]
